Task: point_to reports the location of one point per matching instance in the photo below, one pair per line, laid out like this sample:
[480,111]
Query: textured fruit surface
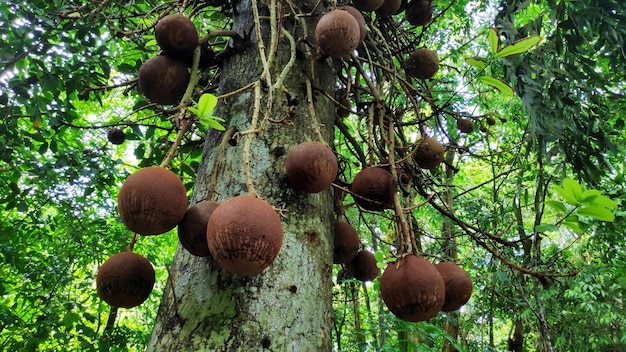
[367,5]
[419,12]
[176,35]
[152,201]
[465,125]
[125,280]
[363,266]
[388,8]
[458,285]
[311,167]
[358,16]
[163,80]
[423,63]
[337,33]
[192,229]
[244,235]
[347,242]
[412,289]
[373,188]
[429,153]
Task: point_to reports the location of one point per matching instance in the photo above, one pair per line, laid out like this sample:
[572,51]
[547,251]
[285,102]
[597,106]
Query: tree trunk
[288,306]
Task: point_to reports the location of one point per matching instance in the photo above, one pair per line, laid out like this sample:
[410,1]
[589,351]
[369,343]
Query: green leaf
[545,228]
[573,187]
[566,194]
[602,201]
[477,62]
[497,84]
[599,213]
[519,46]
[206,104]
[556,205]
[212,121]
[589,194]
[574,226]
[494,41]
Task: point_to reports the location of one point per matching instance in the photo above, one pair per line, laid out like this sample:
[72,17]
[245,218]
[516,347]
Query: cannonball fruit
[244,235]
[163,80]
[458,285]
[388,8]
[465,125]
[337,33]
[358,16]
[491,121]
[423,63]
[373,188]
[412,288]
[311,167]
[192,229]
[125,280]
[346,243]
[152,201]
[429,153]
[363,266]
[116,136]
[367,5]
[176,35]
[419,12]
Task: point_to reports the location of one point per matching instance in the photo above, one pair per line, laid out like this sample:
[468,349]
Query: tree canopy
[529,203]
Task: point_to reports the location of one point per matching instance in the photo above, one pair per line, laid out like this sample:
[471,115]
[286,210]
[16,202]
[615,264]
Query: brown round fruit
[367,5]
[311,167]
[152,201]
[363,266]
[337,33]
[491,121]
[419,12]
[116,136]
[125,280]
[429,153]
[373,188]
[176,35]
[423,63]
[358,16]
[458,285]
[346,243]
[412,289]
[192,229]
[163,80]
[465,125]
[388,8]
[244,235]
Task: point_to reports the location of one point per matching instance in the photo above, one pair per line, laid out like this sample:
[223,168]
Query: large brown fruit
[244,235]
[429,153]
[388,8]
[465,125]
[163,80]
[412,288]
[419,12]
[358,16]
[373,188]
[363,266]
[423,63]
[192,229]
[116,136]
[367,5]
[458,285]
[346,243]
[311,166]
[337,33]
[125,280]
[176,35]
[152,201]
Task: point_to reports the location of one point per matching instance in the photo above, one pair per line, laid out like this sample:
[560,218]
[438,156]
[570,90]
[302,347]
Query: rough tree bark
[288,306]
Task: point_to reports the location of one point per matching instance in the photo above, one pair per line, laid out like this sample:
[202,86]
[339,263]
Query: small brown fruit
[363,266]
[152,201]
[337,33]
[125,280]
[346,243]
[429,153]
[244,235]
[358,16]
[373,188]
[192,229]
[116,136]
[419,12]
[163,80]
[458,285]
[412,289]
[367,5]
[491,121]
[484,129]
[176,35]
[388,8]
[311,167]
[465,125]
[423,63]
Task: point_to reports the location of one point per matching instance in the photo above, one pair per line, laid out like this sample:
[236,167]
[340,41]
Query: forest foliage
[530,204]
